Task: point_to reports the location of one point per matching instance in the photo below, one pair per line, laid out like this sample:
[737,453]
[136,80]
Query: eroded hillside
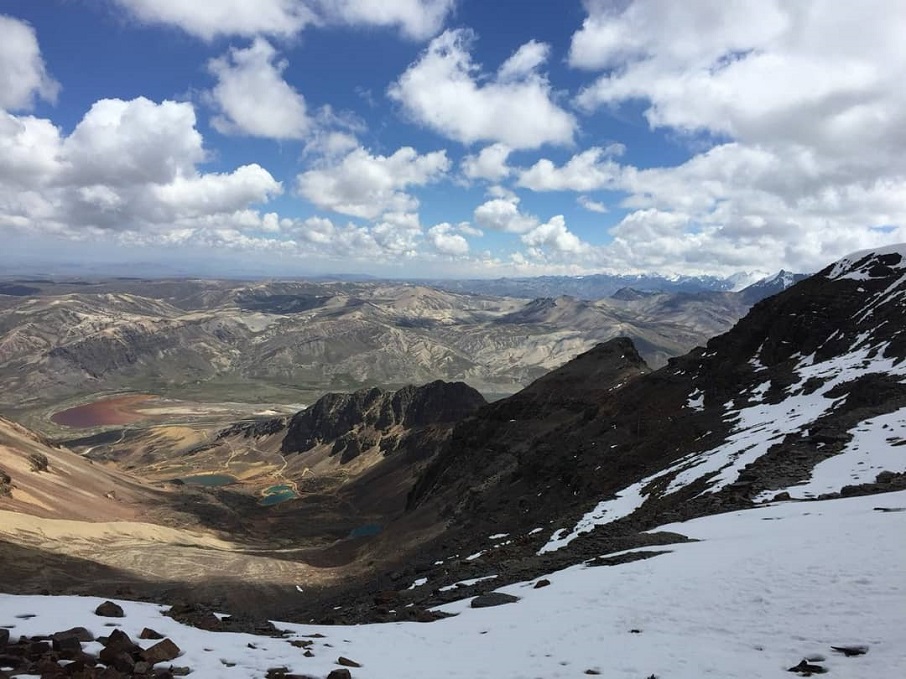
[288,343]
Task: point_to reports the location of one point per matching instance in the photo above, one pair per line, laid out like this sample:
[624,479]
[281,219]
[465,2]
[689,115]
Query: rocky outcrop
[369,418]
[509,438]
[254,428]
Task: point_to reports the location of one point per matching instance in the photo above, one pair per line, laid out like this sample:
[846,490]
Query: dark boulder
[493,599]
[162,651]
[108,609]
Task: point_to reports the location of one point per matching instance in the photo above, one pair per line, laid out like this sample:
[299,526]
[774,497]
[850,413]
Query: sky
[450,138]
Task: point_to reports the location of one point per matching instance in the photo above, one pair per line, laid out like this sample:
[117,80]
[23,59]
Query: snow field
[761,590]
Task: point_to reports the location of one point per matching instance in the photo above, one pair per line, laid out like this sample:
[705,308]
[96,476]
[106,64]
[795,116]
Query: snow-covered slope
[760,591]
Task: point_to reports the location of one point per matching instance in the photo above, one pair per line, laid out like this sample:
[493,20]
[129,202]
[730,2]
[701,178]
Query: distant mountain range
[292,341]
[594,286]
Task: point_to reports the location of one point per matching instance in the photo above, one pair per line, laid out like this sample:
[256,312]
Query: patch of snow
[498,536]
[759,391]
[696,400]
[418,583]
[878,444]
[625,503]
[760,426]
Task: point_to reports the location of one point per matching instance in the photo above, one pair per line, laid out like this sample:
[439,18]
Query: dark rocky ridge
[501,440]
[367,418]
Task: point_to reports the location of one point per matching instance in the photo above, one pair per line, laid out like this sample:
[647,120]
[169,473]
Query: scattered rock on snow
[340,674]
[66,644]
[162,651]
[493,599]
[346,662]
[850,651]
[79,633]
[149,633]
[543,582]
[108,609]
[807,669]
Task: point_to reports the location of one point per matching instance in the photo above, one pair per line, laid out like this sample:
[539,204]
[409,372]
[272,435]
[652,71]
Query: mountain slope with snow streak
[815,372]
[794,423]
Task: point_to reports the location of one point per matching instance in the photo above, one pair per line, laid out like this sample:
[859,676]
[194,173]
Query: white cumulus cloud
[589,170]
[416,19]
[252,96]
[364,185]
[208,19]
[125,143]
[445,240]
[802,113]
[592,205]
[23,75]
[503,214]
[553,235]
[445,91]
[490,163]
[128,167]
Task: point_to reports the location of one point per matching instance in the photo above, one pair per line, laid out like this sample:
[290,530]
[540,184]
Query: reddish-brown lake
[106,412]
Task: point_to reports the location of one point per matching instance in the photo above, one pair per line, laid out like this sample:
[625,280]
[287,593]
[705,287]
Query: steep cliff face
[369,418]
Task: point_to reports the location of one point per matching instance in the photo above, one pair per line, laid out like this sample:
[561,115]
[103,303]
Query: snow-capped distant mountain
[594,286]
[771,285]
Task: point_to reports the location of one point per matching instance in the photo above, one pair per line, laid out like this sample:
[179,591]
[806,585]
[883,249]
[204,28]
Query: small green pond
[209,480]
[366,531]
[277,494]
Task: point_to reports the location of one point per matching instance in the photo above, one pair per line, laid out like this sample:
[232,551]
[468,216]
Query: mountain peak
[869,264]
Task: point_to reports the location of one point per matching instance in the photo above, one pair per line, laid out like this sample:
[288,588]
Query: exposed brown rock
[108,609]
[162,651]
[149,633]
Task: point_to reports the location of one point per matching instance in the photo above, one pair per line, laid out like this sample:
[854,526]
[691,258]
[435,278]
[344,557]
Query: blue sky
[450,137]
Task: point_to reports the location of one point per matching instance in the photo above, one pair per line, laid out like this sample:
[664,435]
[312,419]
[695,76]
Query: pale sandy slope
[88,511]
